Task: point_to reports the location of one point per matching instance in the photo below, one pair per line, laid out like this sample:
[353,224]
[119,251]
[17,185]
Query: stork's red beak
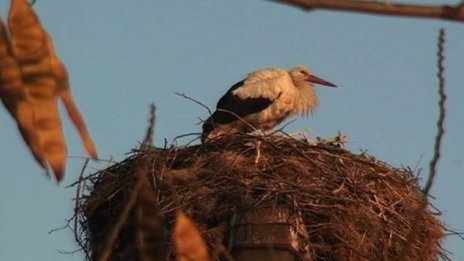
[315,79]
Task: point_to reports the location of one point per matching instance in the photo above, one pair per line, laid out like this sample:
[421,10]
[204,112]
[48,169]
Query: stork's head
[301,76]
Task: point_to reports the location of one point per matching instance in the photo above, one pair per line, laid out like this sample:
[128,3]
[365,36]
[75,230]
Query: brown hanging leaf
[60,74]
[189,243]
[42,81]
[28,43]
[15,99]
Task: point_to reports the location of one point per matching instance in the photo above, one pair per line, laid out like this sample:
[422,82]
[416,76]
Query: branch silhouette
[442,112]
[446,12]
[414,232]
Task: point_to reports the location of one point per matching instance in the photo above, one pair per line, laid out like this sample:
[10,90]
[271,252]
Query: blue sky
[124,55]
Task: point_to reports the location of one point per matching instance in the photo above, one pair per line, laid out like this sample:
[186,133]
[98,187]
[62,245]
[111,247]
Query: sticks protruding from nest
[151,238]
[142,197]
[118,225]
[148,140]
[77,207]
[195,101]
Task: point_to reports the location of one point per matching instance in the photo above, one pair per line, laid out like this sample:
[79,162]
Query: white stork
[263,100]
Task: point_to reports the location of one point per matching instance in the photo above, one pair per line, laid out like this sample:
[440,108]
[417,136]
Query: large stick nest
[354,207]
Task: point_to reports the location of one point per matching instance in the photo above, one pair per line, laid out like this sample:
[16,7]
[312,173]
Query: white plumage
[263,100]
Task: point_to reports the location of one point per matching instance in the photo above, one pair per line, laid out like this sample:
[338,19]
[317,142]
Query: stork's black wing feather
[230,106]
[240,107]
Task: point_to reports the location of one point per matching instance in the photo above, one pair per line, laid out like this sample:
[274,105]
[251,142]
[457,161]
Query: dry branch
[446,12]
[412,235]
[442,113]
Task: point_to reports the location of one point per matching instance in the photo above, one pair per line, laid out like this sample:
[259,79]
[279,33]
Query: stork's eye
[304,72]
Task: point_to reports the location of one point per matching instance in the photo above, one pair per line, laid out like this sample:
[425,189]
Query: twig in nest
[142,167]
[251,127]
[450,231]
[151,239]
[239,118]
[299,135]
[210,113]
[281,129]
[258,151]
[77,207]
[197,134]
[58,228]
[75,217]
[337,141]
[111,160]
[65,252]
[454,13]
[118,225]
[195,101]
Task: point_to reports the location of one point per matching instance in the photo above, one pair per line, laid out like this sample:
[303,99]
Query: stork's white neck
[304,99]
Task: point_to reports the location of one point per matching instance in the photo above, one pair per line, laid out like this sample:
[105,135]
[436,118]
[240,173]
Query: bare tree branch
[414,232]
[454,13]
[442,113]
